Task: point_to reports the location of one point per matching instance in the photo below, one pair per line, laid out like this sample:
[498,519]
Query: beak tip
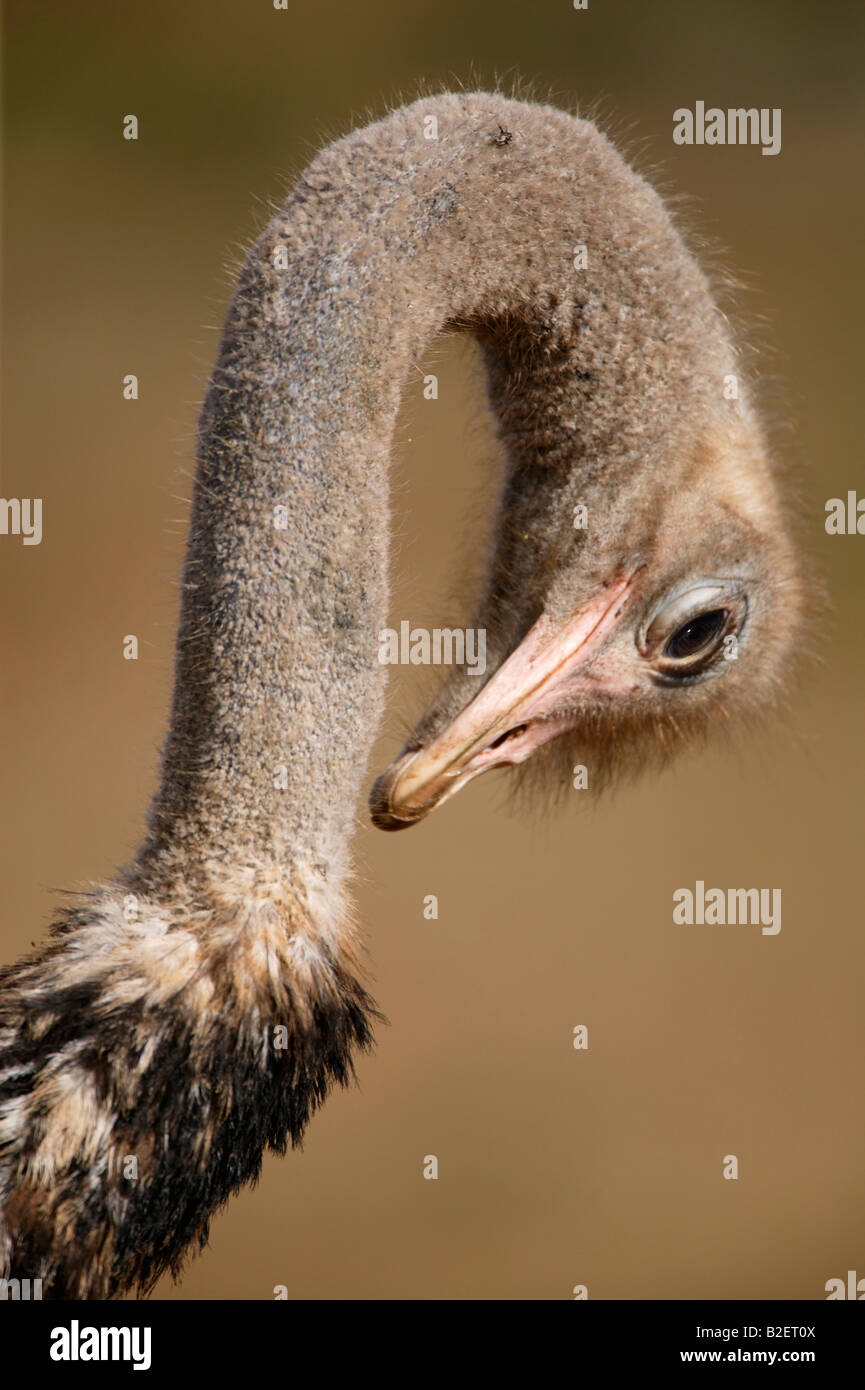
[381,814]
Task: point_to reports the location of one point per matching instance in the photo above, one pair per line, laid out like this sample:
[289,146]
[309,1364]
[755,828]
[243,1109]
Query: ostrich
[195,1010]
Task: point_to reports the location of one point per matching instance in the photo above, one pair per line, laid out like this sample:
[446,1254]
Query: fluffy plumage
[185,1037]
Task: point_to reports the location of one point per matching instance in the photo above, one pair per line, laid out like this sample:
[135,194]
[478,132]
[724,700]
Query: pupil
[695,635]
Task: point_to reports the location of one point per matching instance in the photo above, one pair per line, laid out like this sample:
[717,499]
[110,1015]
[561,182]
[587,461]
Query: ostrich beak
[508,720]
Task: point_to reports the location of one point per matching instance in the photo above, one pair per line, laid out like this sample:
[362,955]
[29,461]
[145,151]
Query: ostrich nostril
[509,733]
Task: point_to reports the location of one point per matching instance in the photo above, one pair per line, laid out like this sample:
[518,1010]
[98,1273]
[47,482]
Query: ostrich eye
[686,632]
[697,637]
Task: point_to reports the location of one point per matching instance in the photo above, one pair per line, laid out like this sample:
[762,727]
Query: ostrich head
[672,610]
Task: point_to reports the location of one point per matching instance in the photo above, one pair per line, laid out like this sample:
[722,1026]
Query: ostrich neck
[388,238]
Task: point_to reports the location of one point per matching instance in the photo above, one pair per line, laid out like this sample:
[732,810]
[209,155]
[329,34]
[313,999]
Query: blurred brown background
[556,1167]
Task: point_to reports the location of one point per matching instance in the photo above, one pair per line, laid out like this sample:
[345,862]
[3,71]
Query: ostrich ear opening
[515,713]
